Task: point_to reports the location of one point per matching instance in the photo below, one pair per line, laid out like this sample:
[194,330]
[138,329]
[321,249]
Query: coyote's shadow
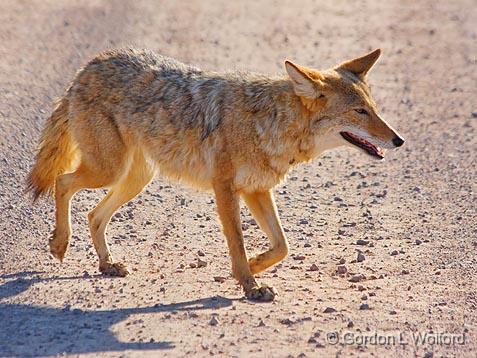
[28,330]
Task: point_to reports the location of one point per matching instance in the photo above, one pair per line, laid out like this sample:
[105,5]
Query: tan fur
[129,114]
[56,155]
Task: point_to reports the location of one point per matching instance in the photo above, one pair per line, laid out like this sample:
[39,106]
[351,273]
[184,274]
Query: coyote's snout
[129,114]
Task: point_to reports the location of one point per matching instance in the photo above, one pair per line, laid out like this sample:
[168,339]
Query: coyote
[129,114]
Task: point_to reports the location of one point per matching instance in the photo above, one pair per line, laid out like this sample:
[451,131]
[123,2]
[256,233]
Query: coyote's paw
[58,245]
[262,293]
[116,269]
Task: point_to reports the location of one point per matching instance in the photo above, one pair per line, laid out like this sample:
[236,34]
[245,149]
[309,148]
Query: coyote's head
[342,110]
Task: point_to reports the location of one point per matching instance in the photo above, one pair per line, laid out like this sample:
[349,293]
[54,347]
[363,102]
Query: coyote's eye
[361,111]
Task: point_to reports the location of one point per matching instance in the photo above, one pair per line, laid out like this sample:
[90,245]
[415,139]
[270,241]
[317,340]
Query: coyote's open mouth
[362,143]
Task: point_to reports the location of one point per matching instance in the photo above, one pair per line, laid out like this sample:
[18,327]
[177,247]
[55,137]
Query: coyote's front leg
[262,206]
[229,212]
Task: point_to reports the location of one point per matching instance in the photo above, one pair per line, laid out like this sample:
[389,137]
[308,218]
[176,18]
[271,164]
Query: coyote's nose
[398,141]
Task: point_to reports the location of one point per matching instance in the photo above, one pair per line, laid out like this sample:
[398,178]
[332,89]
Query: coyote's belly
[182,155]
[183,160]
[195,162]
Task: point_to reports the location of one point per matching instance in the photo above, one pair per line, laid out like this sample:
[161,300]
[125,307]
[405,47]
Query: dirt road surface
[413,216]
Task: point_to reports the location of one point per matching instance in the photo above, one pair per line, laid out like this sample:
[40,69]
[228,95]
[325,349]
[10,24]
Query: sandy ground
[413,214]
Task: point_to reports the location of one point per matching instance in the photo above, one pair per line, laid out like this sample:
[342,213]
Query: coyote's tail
[56,155]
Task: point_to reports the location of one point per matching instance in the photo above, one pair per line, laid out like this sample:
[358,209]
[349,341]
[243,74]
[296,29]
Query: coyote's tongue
[362,143]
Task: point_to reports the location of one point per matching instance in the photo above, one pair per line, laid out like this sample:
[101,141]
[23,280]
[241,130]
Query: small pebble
[356,278]
[201,263]
[313,267]
[341,269]
[214,321]
[287,321]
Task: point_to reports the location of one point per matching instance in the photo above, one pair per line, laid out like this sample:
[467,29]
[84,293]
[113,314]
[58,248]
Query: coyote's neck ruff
[130,114]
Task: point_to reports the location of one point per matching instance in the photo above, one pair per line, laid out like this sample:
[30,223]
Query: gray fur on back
[133,83]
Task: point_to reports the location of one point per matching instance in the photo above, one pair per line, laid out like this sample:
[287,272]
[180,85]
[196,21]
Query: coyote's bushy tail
[56,154]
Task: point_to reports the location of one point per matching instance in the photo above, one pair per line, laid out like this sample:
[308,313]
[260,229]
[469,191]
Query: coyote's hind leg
[66,186]
[138,176]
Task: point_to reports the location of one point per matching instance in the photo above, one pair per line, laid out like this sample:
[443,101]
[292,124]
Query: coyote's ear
[306,82]
[360,66]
